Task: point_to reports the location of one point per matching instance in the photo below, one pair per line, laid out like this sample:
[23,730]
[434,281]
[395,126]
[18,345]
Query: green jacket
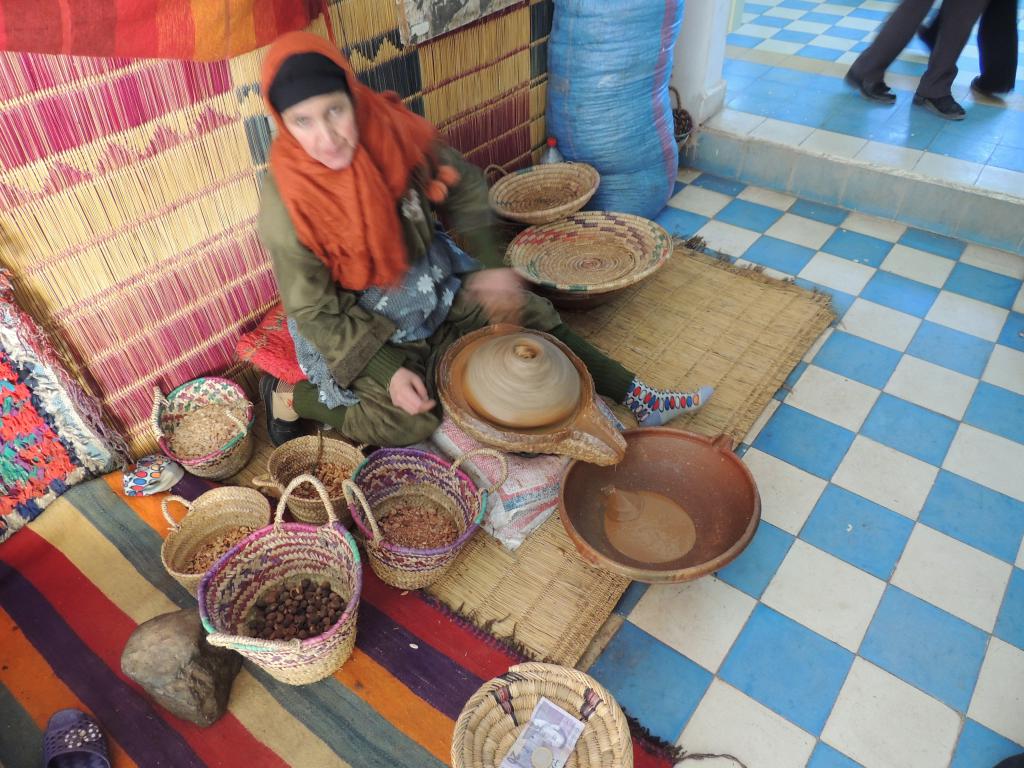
[353,340]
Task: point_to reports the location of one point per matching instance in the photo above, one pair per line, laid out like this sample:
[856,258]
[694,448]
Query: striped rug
[78,580]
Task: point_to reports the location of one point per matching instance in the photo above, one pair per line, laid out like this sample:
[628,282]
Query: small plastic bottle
[550,153]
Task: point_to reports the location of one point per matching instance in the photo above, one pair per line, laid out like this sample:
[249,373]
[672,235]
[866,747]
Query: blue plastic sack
[608,102]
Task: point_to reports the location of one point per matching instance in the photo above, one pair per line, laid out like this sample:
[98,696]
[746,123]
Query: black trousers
[958,17]
[997,44]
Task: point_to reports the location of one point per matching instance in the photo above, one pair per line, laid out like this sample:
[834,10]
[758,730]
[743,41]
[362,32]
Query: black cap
[303,76]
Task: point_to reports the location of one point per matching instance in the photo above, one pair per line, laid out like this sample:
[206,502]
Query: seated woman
[373,288]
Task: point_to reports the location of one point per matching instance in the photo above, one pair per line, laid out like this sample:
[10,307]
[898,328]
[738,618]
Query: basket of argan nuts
[286,597]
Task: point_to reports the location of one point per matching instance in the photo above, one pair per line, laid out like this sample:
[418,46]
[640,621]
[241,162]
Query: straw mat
[698,321]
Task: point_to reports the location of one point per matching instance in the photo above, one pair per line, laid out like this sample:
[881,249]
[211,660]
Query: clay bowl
[701,475]
[585,434]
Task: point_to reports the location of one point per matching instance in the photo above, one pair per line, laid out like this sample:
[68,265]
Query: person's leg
[958,17]
[997,47]
[929,31]
[870,66]
[374,420]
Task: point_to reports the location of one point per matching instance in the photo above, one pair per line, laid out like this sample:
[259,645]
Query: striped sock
[654,407]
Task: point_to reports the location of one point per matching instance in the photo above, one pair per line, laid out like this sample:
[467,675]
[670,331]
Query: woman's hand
[409,393]
[500,292]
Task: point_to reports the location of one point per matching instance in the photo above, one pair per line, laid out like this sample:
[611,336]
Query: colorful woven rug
[78,580]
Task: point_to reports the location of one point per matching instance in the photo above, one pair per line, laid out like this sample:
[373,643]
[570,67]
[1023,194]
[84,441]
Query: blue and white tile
[858,531]
[909,428]
[983,285]
[918,265]
[886,476]
[781,132]
[881,721]
[796,229]
[1010,624]
[919,239]
[883,325]
[932,386]
[800,692]
[754,568]
[857,359]
[833,397]
[998,701]
[952,349]
[854,246]
[899,293]
[768,197]
[729,187]
[727,239]
[762,419]
[788,493]
[968,315]
[926,647]
[730,722]
[781,255]
[837,272]
[825,594]
[805,441]
[987,459]
[634,663]
[700,619]
[997,410]
[705,202]
[1012,334]
[979,746]
[881,229]
[958,578]
[754,216]
[1005,369]
[826,757]
[976,515]
[1008,264]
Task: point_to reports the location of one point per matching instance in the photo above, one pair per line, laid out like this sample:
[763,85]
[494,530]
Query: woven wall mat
[698,321]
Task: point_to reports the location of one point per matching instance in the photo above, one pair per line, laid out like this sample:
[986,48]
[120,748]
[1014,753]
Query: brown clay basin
[679,506]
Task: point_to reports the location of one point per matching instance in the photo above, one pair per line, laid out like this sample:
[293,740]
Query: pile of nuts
[206,430]
[331,475]
[214,548]
[303,609]
[418,528]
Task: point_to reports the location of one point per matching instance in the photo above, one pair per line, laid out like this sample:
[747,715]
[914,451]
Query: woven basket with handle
[299,456]
[395,478]
[168,413]
[276,556]
[211,515]
[495,715]
[543,193]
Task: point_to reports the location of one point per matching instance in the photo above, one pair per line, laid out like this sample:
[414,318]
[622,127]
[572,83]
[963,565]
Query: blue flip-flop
[74,740]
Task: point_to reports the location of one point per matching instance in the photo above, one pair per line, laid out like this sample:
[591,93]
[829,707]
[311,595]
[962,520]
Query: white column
[699,56]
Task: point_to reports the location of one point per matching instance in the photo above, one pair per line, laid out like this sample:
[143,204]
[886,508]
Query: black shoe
[944,106]
[879,91]
[978,87]
[279,430]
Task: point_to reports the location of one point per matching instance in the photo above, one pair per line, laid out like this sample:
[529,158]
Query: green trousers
[375,420]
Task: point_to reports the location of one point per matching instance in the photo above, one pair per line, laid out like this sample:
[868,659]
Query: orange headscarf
[349,218]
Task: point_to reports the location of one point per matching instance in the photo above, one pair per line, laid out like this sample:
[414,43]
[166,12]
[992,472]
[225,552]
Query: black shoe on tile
[944,106]
[278,430]
[979,88]
[879,91]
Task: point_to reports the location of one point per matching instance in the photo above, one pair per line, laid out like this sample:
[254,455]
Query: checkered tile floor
[877,618]
[784,74]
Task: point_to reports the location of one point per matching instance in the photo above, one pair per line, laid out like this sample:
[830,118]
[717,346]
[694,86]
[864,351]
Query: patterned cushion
[51,435]
[271,349]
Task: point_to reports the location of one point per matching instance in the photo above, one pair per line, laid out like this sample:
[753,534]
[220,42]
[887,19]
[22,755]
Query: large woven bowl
[494,716]
[543,193]
[589,257]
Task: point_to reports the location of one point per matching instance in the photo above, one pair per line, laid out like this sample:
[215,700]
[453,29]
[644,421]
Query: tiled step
[820,172]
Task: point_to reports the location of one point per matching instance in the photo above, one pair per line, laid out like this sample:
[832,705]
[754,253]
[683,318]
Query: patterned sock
[654,407]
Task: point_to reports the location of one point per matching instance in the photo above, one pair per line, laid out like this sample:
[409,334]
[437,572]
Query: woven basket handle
[355,498]
[174,524]
[283,503]
[159,402]
[493,167]
[242,426]
[502,461]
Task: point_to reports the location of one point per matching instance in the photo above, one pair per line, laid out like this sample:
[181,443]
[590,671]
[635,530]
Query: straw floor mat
[698,321]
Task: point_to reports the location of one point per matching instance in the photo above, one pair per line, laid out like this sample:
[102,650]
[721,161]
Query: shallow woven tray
[487,729]
[543,193]
[590,253]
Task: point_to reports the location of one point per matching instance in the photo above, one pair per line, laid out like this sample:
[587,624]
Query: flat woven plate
[543,193]
[590,252]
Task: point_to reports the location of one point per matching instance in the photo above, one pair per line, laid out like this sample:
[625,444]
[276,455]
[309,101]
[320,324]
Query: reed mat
[698,321]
